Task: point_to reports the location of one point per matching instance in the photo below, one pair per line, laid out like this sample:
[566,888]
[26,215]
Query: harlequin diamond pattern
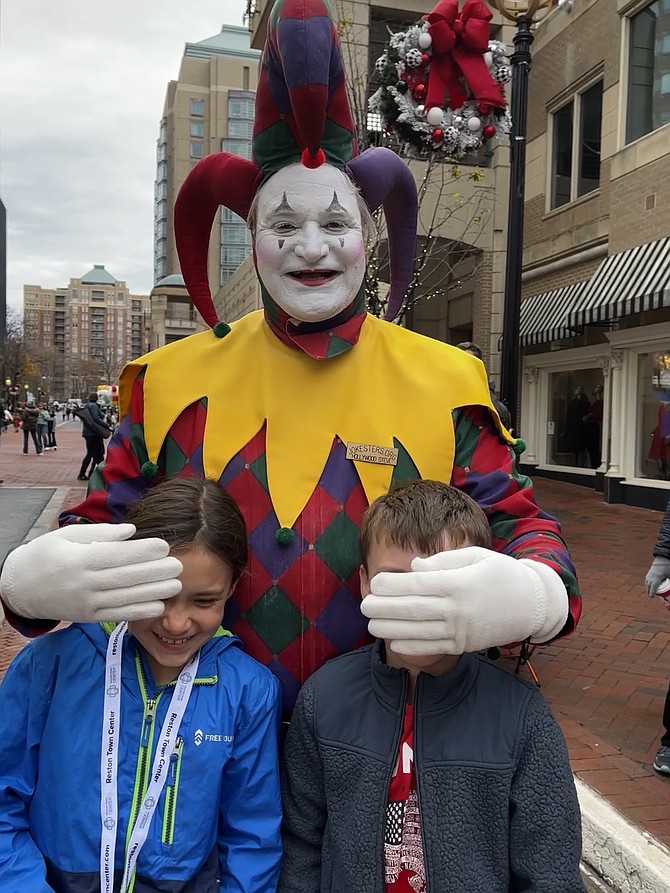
[338,546]
[276,620]
[299,605]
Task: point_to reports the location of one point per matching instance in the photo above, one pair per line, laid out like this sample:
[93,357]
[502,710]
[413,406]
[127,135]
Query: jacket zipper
[174,773]
[416,776]
[146,747]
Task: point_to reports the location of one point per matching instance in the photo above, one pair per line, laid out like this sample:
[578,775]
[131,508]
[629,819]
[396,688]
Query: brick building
[595,318]
[82,335]
[208,109]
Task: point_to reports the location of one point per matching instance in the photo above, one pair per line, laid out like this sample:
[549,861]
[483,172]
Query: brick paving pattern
[606,684]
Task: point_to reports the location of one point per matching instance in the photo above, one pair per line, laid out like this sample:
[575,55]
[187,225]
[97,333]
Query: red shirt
[404,867]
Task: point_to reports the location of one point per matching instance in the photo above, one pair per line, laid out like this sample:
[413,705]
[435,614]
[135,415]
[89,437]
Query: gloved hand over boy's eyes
[657,573]
[466,600]
[92,574]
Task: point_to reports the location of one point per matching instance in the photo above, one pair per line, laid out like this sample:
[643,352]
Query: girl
[144,755]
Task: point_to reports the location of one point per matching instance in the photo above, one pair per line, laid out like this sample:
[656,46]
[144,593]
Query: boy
[489,804]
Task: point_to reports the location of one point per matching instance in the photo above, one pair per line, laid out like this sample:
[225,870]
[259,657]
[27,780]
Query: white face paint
[310,251]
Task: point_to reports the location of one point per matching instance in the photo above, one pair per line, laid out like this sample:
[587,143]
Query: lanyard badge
[109,756]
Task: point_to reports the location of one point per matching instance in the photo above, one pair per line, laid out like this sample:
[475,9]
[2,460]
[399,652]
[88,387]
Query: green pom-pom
[221,329]
[149,470]
[285,536]
[519,446]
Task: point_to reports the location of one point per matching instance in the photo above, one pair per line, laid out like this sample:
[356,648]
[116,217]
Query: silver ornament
[503,74]
[413,57]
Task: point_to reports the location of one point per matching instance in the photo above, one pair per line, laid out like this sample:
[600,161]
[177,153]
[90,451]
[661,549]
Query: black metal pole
[521,62]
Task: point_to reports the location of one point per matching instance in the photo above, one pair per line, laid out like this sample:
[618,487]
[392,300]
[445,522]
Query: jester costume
[305,424]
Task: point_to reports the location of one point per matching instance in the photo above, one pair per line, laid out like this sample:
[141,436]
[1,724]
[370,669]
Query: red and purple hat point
[302,115]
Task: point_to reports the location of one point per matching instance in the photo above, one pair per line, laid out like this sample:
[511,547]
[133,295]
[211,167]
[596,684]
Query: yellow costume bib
[393,387]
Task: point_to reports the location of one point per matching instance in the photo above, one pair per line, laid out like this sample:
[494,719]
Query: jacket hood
[99,633]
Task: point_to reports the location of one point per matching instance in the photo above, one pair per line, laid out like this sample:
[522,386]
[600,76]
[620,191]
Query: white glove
[657,573]
[87,573]
[466,600]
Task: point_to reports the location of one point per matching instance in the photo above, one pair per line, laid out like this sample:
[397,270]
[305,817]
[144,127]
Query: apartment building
[208,109]
[595,319]
[464,221]
[82,335]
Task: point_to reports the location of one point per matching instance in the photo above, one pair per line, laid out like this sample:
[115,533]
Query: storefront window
[574,423]
[653,408]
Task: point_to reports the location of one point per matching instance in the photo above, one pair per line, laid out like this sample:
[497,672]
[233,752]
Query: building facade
[463,220]
[83,334]
[595,320]
[208,109]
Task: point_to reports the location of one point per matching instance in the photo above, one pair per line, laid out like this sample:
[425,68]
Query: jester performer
[305,412]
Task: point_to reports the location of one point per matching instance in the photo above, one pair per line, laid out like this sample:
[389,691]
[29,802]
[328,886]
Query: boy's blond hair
[419,514]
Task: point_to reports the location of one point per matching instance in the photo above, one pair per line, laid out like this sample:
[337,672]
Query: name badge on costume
[371,452]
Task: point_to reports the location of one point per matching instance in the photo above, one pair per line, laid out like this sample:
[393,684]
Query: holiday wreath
[442,82]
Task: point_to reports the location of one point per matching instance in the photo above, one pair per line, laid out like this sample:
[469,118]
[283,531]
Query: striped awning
[544,316]
[630,282]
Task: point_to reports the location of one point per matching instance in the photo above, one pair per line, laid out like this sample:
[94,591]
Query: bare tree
[14,360]
[84,378]
[109,364]
[455,201]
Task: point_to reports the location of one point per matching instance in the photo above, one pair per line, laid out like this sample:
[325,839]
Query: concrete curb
[621,855]
[47,519]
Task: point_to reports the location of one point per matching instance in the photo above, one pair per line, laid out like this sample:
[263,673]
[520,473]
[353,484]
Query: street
[606,683]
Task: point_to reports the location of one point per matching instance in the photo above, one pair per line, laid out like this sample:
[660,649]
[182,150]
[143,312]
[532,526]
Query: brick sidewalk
[606,684]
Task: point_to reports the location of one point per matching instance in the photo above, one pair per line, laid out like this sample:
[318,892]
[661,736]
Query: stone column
[604,363]
[615,414]
[531,431]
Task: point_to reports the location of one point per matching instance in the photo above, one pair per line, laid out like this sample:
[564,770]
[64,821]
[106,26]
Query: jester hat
[302,115]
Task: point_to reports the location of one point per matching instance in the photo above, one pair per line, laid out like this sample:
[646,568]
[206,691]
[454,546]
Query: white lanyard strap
[109,762]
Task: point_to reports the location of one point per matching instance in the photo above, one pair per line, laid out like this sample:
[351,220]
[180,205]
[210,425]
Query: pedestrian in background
[94,430]
[29,416]
[43,427]
[659,573]
[51,430]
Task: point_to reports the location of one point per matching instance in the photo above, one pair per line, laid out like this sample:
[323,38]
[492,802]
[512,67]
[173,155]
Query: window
[648,89]
[245,77]
[233,256]
[97,295]
[197,128]
[197,107]
[653,414]
[241,129]
[574,422]
[576,134]
[197,150]
[241,108]
[237,147]
[236,235]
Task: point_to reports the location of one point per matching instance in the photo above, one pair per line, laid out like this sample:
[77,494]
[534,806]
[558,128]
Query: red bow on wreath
[459,41]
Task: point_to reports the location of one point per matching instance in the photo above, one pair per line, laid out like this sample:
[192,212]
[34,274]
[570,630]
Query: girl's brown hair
[192,512]
[419,514]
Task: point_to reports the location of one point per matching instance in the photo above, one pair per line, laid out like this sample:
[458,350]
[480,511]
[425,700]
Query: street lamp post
[522,13]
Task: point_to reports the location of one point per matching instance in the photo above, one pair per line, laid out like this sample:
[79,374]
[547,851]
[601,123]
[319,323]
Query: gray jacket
[499,812]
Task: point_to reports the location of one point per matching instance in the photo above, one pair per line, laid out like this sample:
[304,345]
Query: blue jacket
[219,815]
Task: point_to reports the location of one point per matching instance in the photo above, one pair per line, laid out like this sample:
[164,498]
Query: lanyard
[109,756]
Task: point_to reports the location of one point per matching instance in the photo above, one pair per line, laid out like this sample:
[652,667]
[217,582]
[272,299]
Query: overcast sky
[82,84]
